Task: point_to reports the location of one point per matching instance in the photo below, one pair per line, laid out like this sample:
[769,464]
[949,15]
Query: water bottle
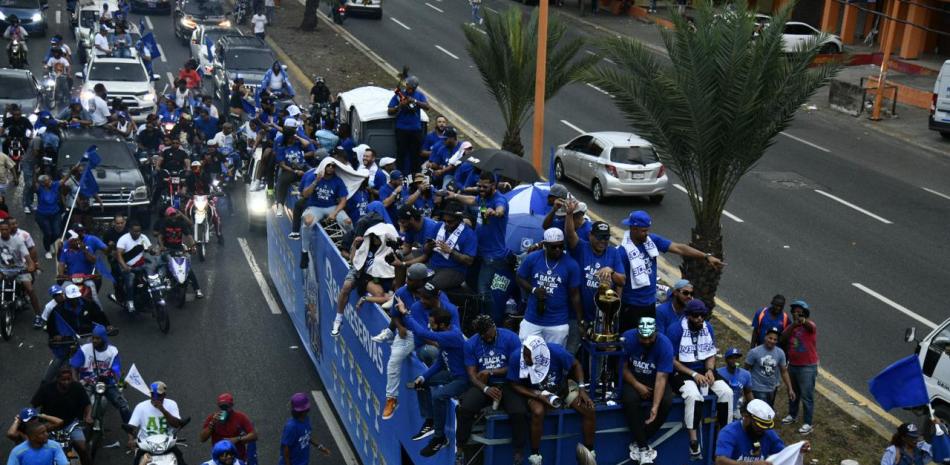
[552,399]
[511,307]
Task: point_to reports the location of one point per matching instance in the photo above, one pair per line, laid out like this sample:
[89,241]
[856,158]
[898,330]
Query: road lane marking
[161,51]
[148,22]
[598,89]
[805,142]
[724,211]
[572,126]
[435,7]
[400,23]
[58,14]
[447,52]
[895,305]
[853,206]
[608,60]
[938,194]
[171,78]
[259,277]
[338,436]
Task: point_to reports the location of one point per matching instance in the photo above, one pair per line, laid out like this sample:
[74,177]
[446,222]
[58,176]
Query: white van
[940,106]
[365,109]
[933,352]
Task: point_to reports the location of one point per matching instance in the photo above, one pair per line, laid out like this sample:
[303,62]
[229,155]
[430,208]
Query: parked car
[247,56]
[797,35]
[612,164]
[933,352]
[189,14]
[365,109]
[372,8]
[31,13]
[125,78]
[19,86]
[940,107]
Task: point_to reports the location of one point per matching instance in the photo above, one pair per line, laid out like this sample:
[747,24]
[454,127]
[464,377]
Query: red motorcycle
[79,279]
[16,154]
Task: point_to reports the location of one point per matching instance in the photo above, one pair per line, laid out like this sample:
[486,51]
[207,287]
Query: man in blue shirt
[443,171]
[206,124]
[296,439]
[552,281]
[671,312]
[407,106]
[640,249]
[739,379]
[394,194]
[486,361]
[326,197]
[648,363]
[773,316]
[450,249]
[78,256]
[491,225]
[445,379]
[434,137]
[37,449]
[290,155]
[751,440]
[538,371]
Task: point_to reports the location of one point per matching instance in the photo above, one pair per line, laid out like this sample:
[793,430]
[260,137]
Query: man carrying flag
[147,48]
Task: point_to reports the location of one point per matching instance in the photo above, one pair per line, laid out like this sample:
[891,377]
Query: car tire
[558,169]
[656,199]
[945,135]
[597,191]
[378,14]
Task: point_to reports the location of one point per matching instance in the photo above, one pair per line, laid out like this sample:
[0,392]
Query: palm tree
[713,108]
[310,10]
[506,56]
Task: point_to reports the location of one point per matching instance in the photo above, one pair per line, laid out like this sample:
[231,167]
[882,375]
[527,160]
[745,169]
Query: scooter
[17,55]
[151,283]
[16,154]
[12,300]
[203,214]
[157,447]
[62,436]
[170,196]
[339,12]
[179,264]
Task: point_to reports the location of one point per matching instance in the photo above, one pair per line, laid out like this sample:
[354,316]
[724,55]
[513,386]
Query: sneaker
[199,294]
[481,21]
[38,322]
[435,445]
[634,453]
[336,328]
[385,335]
[695,451]
[647,455]
[390,408]
[425,431]
[535,459]
[49,256]
[788,420]
[130,306]
[293,236]
[304,260]
[27,210]
[280,211]
[805,430]
[113,298]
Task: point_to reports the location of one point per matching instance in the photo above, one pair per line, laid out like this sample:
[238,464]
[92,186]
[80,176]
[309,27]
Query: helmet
[55,290]
[196,164]
[12,19]
[319,79]
[72,291]
[75,101]
[55,40]
[412,82]
[170,211]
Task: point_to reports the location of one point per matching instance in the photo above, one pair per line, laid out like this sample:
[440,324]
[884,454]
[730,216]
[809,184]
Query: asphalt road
[831,214]
[230,341]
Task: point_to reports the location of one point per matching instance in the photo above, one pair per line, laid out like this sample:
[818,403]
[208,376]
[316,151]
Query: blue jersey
[492,356]
[646,362]
[557,278]
[451,348]
[734,443]
[296,437]
[645,295]
[466,244]
[491,230]
[561,363]
[590,263]
[50,453]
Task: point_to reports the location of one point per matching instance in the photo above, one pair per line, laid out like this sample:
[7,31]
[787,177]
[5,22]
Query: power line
[891,18]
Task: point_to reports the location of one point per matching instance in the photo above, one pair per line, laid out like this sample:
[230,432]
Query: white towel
[637,263]
[379,268]
[451,240]
[352,178]
[702,350]
[540,360]
[790,455]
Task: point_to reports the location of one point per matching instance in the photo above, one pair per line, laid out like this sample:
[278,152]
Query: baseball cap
[801,304]
[453,209]
[408,212]
[299,402]
[226,399]
[733,352]
[158,388]
[559,191]
[762,415]
[72,291]
[211,143]
[418,177]
[647,326]
[553,235]
[386,161]
[419,271]
[909,430]
[291,123]
[395,175]
[27,414]
[195,163]
[600,230]
[170,211]
[773,329]
[429,290]
[55,289]
[638,219]
[450,132]
[293,111]
[696,307]
[681,284]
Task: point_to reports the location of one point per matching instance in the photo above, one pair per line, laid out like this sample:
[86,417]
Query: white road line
[608,60]
[338,437]
[148,22]
[938,194]
[480,30]
[491,9]
[598,89]
[162,51]
[447,52]
[724,212]
[400,23]
[805,142]
[853,206]
[435,7]
[171,78]
[895,305]
[572,126]
[58,16]
[259,277]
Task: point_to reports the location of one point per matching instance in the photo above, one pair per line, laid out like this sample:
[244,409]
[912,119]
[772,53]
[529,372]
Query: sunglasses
[687,293]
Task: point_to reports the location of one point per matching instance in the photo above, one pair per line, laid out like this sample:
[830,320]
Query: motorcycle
[79,279]
[56,90]
[16,154]
[179,264]
[170,196]
[12,300]
[151,283]
[338,12]
[17,55]
[62,436]
[241,9]
[157,447]
[205,216]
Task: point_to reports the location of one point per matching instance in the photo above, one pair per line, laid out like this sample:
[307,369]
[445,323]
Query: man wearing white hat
[552,280]
[290,151]
[752,439]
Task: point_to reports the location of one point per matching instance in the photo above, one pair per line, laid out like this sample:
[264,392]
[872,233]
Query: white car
[612,164]
[85,20]
[797,36]
[199,44]
[125,78]
[372,8]
[933,352]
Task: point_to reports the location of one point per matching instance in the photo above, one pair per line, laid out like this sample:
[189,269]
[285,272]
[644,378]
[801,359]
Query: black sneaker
[304,260]
[435,445]
[695,452]
[425,431]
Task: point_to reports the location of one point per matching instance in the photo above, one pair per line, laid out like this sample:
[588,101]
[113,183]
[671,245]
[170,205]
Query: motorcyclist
[199,182]
[69,319]
[185,97]
[168,111]
[157,415]
[149,136]
[186,132]
[57,296]
[15,255]
[98,361]
[130,252]
[16,126]
[319,93]
[277,82]
[57,42]
[79,255]
[121,42]
[15,31]
[65,399]
[74,115]
[173,232]
[224,453]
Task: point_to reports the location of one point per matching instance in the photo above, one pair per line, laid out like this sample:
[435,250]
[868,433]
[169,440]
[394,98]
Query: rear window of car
[634,155]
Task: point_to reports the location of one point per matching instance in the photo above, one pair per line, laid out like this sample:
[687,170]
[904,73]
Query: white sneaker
[647,455]
[27,210]
[336,328]
[788,420]
[806,429]
[535,459]
[385,335]
[49,256]
[634,453]
[280,211]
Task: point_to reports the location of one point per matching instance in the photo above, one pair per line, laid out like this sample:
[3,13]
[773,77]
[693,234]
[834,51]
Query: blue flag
[552,177]
[900,385]
[940,444]
[210,48]
[148,40]
[142,27]
[88,186]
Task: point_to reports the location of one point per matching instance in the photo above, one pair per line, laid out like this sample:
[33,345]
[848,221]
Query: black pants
[473,401]
[284,180]
[630,315]
[636,413]
[408,145]
[445,279]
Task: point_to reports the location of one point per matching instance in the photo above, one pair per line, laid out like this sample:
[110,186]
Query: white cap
[581,208]
[72,291]
[291,123]
[386,160]
[761,412]
[553,235]
[293,111]
[72,235]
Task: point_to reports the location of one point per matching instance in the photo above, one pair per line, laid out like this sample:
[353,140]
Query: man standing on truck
[407,106]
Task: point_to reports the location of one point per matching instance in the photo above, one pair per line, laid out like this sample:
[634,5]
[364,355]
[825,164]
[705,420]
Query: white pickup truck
[933,352]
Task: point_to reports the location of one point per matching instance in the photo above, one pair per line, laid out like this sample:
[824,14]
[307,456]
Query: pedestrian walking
[269,8]
[476,5]
[296,439]
[801,341]
[229,424]
[769,368]
[259,20]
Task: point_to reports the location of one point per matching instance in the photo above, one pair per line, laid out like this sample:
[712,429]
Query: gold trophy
[606,323]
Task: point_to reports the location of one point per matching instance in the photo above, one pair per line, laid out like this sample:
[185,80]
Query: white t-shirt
[13,252]
[277,81]
[224,140]
[102,360]
[58,65]
[101,45]
[150,420]
[27,238]
[99,110]
[126,243]
[259,21]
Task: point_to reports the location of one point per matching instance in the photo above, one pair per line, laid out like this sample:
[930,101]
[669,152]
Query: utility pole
[537,140]
[889,32]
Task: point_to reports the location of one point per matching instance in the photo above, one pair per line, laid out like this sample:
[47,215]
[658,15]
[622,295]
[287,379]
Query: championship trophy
[604,340]
[607,322]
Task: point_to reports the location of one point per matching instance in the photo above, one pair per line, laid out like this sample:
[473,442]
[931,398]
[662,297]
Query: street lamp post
[537,140]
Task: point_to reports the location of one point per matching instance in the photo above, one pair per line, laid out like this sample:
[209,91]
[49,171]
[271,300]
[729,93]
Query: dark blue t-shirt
[291,154]
[491,230]
[644,363]
[425,204]
[75,260]
[675,334]
[645,295]
[328,192]
[561,363]
[590,264]
[451,344]
[386,191]
[467,244]
[47,199]
[491,357]
[734,443]
[356,205]
[738,381]
[207,126]
[768,321]
[296,437]
[420,313]
[429,227]
[556,277]
[666,316]
[407,119]
[432,138]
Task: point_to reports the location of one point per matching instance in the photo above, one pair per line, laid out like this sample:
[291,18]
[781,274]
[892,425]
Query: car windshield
[115,154]
[25,4]
[203,8]
[88,19]
[126,72]
[16,87]
[248,59]
[633,155]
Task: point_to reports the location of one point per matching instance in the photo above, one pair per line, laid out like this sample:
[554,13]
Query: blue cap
[27,414]
[733,351]
[638,219]
[696,307]
[800,303]
[681,284]
[55,290]
[395,175]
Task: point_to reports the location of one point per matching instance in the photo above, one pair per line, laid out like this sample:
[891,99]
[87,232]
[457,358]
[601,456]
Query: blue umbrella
[527,206]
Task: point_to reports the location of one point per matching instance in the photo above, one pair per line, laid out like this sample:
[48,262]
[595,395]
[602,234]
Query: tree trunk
[512,142]
[705,278]
[309,22]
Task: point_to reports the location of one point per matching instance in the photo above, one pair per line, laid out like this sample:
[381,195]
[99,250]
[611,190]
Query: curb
[852,402]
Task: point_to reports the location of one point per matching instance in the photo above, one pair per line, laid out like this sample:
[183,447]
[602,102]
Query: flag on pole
[142,27]
[210,48]
[148,40]
[940,445]
[900,385]
[88,186]
[134,379]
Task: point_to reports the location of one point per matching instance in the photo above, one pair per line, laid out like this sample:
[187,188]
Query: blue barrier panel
[353,369]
